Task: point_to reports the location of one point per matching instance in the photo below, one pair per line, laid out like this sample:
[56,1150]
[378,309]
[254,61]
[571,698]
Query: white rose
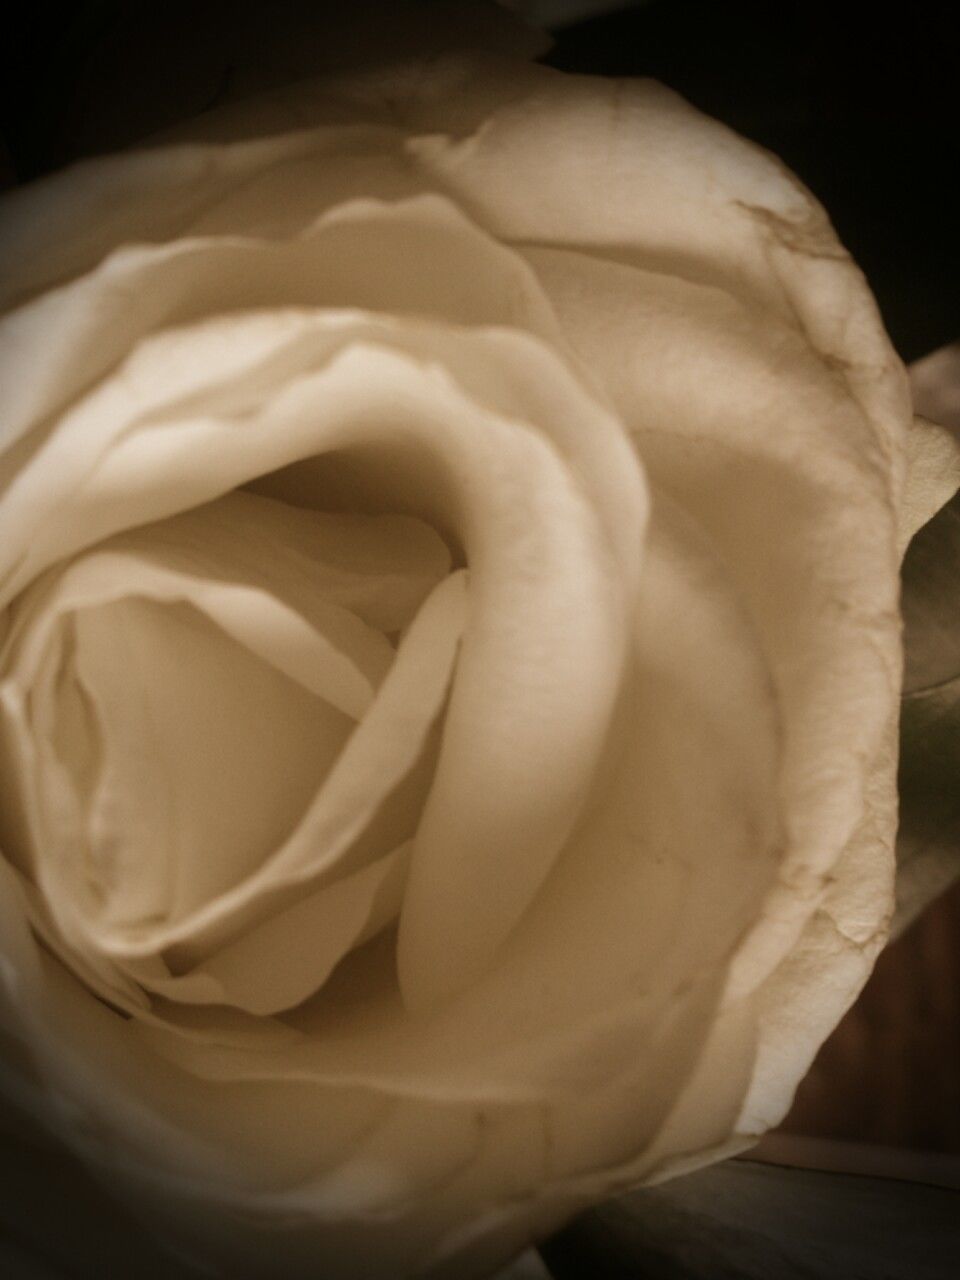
[450,659]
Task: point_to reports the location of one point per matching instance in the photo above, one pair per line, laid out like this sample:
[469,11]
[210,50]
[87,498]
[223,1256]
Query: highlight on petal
[114,459]
[64,224]
[667,173]
[419,256]
[683,196]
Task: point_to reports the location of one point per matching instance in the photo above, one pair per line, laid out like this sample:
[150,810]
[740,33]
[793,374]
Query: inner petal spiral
[175,700]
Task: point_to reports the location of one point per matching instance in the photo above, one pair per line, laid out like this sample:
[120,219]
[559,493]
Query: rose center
[197,757]
[200,716]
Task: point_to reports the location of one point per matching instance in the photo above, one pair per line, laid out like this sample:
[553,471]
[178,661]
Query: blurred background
[862,103]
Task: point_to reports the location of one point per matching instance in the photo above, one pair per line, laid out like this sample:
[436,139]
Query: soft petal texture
[288,957]
[559,445]
[556,575]
[420,256]
[79,486]
[384,747]
[699,439]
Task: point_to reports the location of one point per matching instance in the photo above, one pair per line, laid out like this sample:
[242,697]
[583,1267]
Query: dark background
[862,102]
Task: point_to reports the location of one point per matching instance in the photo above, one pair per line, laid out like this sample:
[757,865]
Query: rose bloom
[449,544]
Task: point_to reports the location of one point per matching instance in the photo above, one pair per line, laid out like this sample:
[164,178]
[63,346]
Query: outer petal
[738,415]
[756,246]
[418,256]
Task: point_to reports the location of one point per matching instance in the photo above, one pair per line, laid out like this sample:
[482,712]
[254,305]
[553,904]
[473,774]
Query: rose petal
[67,222]
[418,256]
[90,478]
[683,195]
[795,561]
[381,750]
[282,961]
[524,514]
[604,955]
[159,805]
[739,413]
[180,559]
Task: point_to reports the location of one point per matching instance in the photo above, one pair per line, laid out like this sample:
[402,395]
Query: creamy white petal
[672,975]
[102,468]
[419,256]
[209,755]
[745,419]
[682,194]
[90,713]
[66,223]
[668,177]
[280,962]
[377,567]
[232,1140]
[605,957]
[536,553]
[695,359]
[343,663]
[177,817]
[381,750]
